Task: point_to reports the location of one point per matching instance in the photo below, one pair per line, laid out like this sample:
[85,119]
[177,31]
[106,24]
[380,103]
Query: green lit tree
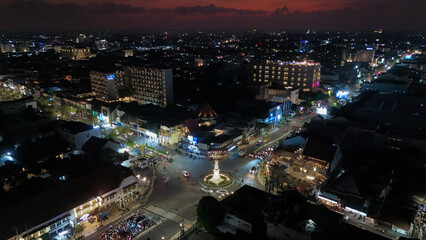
[124,130]
[112,135]
[129,142]
[92,118]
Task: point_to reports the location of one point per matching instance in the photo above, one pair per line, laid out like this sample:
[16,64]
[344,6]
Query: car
[259,142]
[253,170]
[206,189]
[185,173]
[222,191]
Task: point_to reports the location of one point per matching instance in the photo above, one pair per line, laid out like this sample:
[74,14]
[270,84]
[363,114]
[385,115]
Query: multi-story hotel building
[150,85]
[104,84]
[304,75]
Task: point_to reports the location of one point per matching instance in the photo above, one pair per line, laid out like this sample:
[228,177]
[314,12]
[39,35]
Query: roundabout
[215,178]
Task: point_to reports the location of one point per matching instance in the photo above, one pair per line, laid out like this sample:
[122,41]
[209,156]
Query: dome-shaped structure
[207,112]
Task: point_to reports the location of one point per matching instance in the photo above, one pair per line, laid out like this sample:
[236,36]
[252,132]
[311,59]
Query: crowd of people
[129,228]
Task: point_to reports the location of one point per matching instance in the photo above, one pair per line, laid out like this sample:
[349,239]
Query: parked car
[207,190]
[185,173]
[222,191]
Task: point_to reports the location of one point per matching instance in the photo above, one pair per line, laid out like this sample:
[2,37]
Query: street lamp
[182,230]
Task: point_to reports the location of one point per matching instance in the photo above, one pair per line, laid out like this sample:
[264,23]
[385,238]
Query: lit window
[285,69]
[285,78]
[285,83]
[255,67]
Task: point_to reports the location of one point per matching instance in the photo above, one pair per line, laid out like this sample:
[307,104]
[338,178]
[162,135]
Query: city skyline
[327,15]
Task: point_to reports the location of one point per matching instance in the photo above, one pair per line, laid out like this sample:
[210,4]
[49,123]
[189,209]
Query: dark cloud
[212,9]
[112,8]
[357,15]
[280,11]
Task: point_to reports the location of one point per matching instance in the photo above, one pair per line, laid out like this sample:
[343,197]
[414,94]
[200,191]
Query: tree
[92,118]
[124,130]
[130,142]
[112,135]
[210,213]
[78,229]
[69,109]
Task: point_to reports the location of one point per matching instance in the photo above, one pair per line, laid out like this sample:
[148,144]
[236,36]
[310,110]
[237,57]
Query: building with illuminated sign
[360,55]
[104,84]
[274,93]
[150,85]
[56,211]
[304,75]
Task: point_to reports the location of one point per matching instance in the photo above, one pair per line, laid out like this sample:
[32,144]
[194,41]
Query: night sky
[163,15]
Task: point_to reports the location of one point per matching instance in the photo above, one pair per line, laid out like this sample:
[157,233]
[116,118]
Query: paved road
[176,199]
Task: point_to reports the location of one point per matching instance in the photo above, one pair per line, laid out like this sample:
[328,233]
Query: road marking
[165,214]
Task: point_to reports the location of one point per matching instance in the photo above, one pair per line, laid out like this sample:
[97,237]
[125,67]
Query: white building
[77,133]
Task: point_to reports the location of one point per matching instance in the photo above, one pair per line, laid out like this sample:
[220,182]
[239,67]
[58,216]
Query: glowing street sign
[110,77]
[342,94]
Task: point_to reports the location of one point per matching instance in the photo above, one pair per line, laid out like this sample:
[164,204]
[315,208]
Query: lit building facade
[172,134]
[75,53]
[361,55]
[55,212]
[104,85]
[304,75]
[101,44]
[150,85]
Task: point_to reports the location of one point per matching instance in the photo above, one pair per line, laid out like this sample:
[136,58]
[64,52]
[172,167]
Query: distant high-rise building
[104,84]
[305,75]
[101,44]
[150,85]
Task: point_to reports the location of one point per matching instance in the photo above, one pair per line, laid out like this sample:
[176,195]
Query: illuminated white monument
[216,176]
